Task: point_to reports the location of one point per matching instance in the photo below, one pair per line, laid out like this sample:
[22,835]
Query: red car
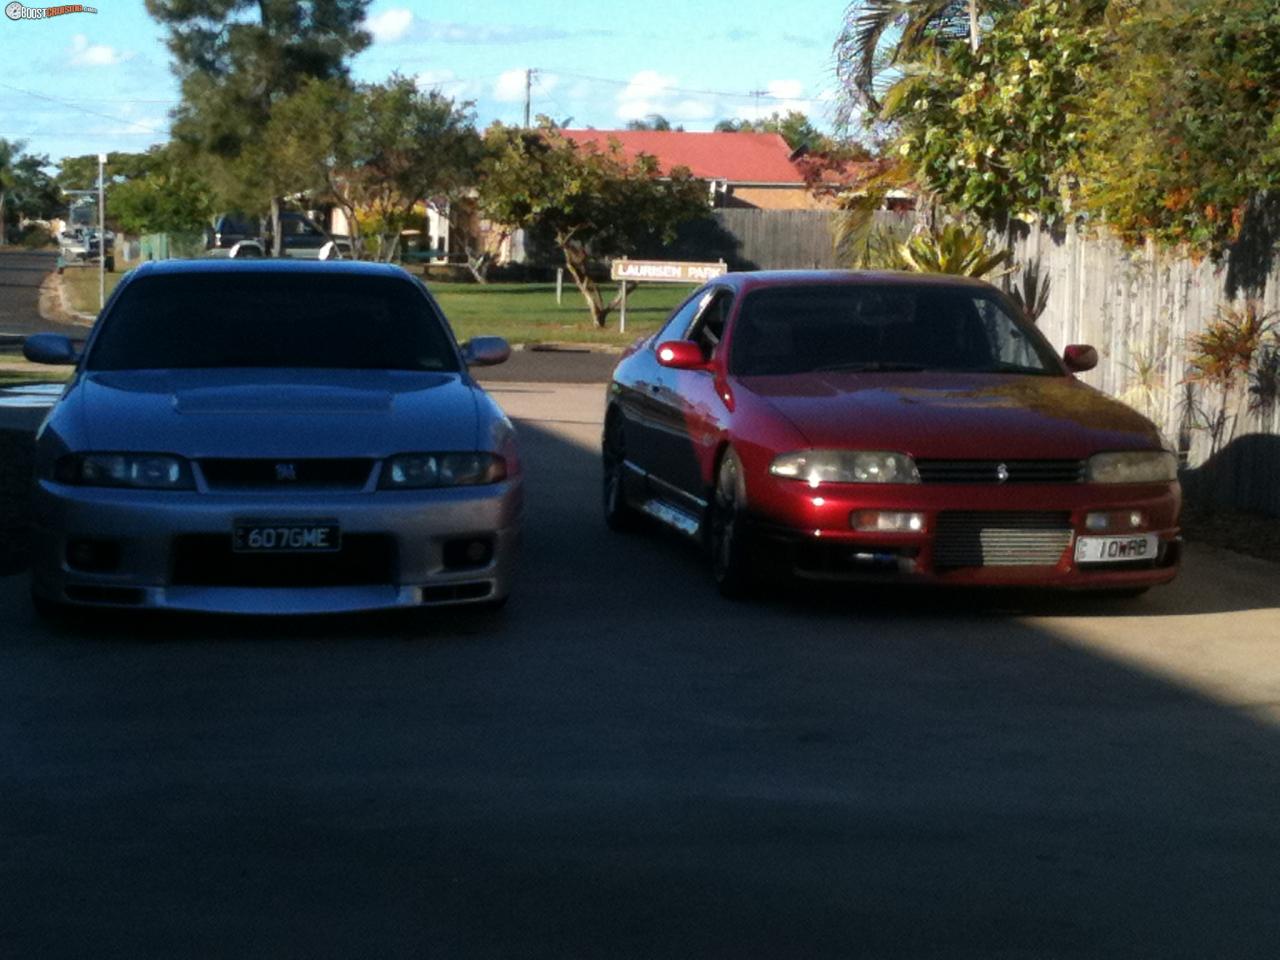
[861,426]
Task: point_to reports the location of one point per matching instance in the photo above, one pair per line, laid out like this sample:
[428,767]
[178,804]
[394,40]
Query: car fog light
[471,552]
[1122,520]
[1097,521]
[880,521]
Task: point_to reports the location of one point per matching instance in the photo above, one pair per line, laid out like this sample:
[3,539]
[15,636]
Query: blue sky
[82,83]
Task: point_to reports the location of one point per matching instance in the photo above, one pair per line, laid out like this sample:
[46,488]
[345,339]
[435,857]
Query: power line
[84,110]
[732,95]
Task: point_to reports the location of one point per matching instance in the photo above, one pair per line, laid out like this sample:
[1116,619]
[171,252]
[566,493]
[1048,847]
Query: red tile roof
[735,157]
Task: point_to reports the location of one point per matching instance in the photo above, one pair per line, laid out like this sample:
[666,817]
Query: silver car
[272,437]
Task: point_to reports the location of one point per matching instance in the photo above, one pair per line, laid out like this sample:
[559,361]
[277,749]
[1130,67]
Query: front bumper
[171,550]
[809,531]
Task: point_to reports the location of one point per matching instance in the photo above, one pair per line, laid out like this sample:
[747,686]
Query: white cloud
[510,85]
[650,92]
[784,96]
[450,84]
[86,54]
[647,93]
[390,25]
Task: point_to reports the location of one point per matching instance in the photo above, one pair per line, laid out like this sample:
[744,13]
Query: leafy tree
[880,37]
[595,202]
[81,173]
[160,191]
[237,59]
[654,121]
[794,127]
[166,195]
[25,187]
[378,150]
[1184,141]
[999,132]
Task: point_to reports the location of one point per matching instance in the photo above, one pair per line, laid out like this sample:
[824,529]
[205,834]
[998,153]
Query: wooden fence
[780,239]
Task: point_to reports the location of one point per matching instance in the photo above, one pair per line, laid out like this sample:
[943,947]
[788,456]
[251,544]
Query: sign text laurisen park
[666,271]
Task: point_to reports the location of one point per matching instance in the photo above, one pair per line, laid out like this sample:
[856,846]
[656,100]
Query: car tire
[619,515]
[727,540]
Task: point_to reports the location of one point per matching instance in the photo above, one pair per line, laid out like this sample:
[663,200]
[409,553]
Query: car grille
[284,473]
[1001,539]
[207,560]
[988,471]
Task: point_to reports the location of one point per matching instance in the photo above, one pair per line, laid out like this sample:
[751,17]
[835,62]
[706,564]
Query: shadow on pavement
[624,765]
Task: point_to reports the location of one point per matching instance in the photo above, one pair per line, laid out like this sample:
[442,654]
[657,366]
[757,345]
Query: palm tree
[913,28]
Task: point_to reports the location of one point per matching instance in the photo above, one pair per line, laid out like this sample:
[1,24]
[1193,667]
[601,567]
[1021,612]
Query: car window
[797,329]
[677,328]
[300,320]
[708,326]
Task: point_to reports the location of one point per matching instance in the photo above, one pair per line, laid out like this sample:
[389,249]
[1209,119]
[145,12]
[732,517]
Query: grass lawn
[521,312]
[81,285]
[19,371]
[528,312]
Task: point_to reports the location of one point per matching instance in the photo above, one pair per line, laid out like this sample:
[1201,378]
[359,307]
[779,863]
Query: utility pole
[974,35]
[528,95]
[756,95]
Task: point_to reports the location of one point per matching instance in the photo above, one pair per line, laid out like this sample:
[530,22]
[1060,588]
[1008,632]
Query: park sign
[666,271]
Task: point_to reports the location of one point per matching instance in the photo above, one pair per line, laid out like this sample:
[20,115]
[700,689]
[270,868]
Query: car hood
[956,416]
[266,413]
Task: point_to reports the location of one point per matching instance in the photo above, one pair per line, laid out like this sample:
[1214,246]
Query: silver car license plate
[286,536]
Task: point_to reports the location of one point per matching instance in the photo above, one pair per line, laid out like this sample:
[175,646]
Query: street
[622,764]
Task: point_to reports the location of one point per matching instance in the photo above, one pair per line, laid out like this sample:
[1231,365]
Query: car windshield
[203,320]
[867,328]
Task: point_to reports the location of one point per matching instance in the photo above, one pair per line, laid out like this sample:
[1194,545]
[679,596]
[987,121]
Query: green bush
[35,237]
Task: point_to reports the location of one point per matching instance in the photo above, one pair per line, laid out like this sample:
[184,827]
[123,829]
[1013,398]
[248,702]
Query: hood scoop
[282,399]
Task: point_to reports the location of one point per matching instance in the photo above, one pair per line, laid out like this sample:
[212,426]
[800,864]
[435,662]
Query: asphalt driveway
[624,765]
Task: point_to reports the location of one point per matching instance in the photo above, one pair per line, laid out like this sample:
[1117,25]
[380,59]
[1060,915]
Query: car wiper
[870,366]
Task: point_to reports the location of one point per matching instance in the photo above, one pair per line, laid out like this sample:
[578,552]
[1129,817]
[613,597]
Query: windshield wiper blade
[871,366]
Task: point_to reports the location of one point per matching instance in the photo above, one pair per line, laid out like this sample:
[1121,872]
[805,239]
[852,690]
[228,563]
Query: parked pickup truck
[235,235]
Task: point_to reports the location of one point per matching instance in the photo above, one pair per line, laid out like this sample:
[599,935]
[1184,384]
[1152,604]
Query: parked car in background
[863,426]
[243,237]
[273,437]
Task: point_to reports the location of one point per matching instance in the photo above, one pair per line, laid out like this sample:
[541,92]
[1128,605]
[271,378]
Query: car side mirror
[681,355]
[485,351]
[1080,357]
[51,348]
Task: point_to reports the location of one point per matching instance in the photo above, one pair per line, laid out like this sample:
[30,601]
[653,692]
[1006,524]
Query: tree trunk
[575,261]
[975,36]
[478,264]
[3,234]
[277,241]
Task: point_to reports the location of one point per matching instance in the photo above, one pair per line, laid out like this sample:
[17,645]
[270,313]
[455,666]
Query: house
[751,170]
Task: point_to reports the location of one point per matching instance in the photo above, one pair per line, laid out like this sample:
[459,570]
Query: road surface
[623,765]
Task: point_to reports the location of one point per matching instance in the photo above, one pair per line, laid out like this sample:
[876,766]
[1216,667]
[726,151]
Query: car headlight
[415,471]
[1139,466]
[146,471]
[846,466]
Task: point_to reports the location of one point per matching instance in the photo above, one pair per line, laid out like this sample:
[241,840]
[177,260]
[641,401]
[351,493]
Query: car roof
[754,279]
[214,265]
